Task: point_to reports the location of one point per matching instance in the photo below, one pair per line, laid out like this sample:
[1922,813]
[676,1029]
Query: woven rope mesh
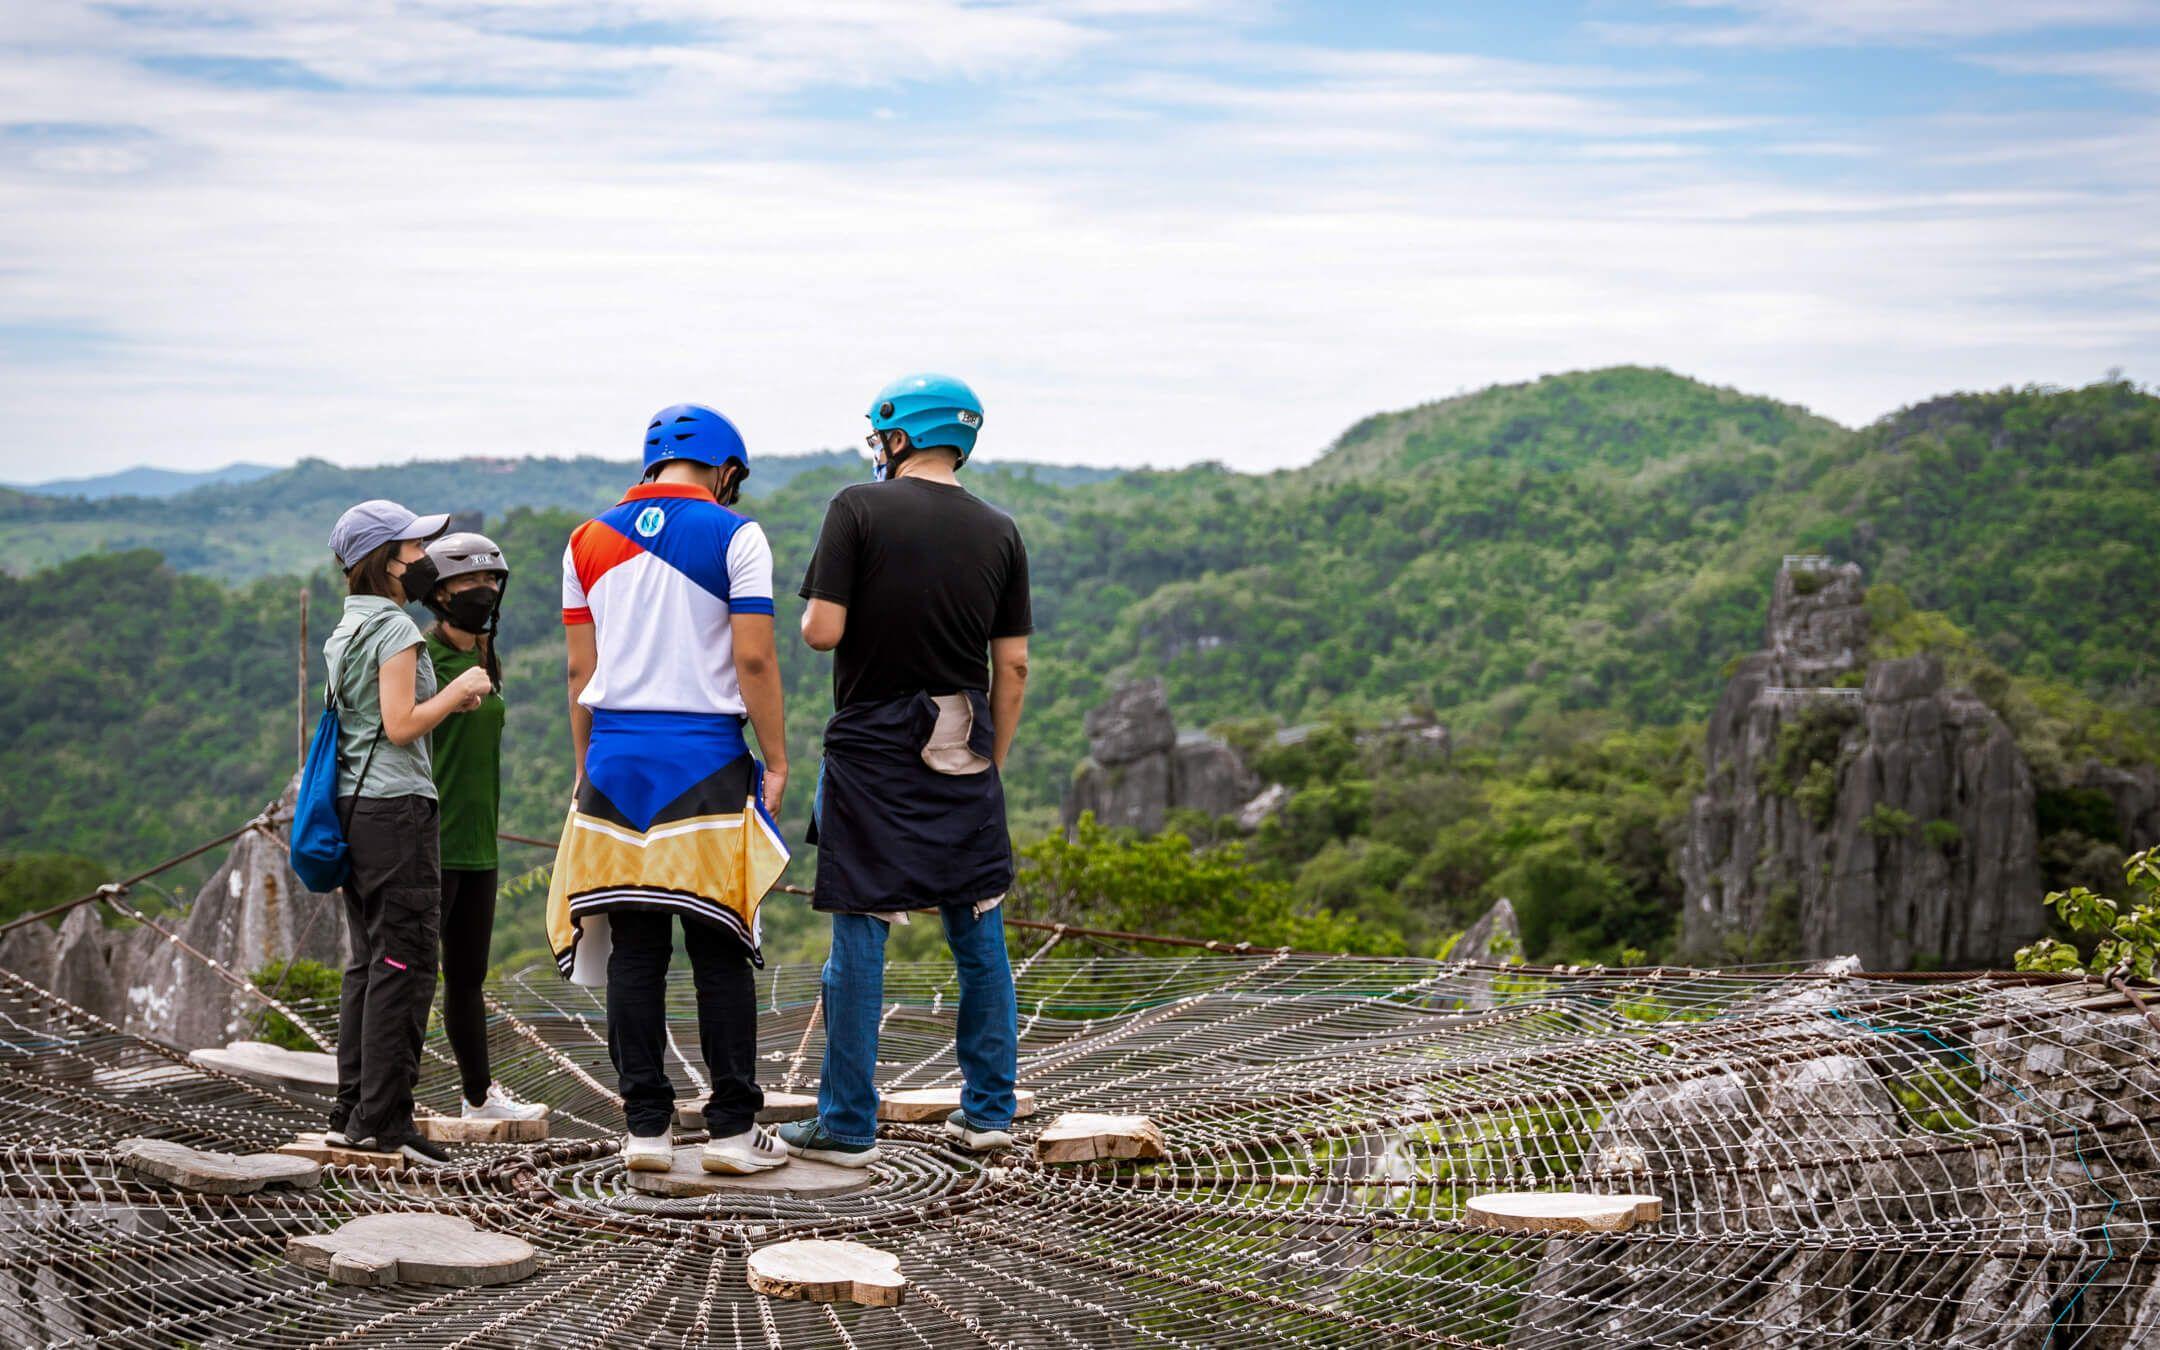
[1842,1160]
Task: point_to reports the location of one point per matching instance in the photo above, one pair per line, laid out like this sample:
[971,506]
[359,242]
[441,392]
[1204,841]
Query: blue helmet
[694,432]
[934,410]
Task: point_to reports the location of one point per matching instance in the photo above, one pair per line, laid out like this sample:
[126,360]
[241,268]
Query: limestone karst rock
[1496,935]
[1819,1149]
[1139,767]
[2135,795]
[1133,725]
[250,912]
[1891,818]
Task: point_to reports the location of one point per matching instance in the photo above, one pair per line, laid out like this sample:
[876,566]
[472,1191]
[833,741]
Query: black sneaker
[417,1149]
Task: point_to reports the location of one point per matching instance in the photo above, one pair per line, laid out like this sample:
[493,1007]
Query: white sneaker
[754,1150]
[500,1105]
[648,1152]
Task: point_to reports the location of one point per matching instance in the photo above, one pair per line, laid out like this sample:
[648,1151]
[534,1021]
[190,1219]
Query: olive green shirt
[467,751]
[382,630]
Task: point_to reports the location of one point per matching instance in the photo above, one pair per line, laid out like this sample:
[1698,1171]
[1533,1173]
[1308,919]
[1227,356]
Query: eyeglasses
[876,441]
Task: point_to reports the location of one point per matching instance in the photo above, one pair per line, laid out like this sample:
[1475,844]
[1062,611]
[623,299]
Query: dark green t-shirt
[467,753]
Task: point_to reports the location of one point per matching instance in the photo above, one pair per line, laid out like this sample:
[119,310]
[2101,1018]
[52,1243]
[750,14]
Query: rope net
[1843,1160]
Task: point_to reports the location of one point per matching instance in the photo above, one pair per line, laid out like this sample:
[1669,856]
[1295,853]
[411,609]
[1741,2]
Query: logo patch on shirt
[650,520]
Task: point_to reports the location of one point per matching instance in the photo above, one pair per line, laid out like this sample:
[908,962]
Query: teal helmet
[934,410]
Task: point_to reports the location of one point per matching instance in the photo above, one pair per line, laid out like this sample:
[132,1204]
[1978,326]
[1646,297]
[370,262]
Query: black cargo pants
[393,906]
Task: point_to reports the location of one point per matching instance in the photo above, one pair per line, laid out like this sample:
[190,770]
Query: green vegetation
[1558,570]
[30,881]
[2124,937]
[299,980]
[1809,755]
[1885,821]
[1165,885]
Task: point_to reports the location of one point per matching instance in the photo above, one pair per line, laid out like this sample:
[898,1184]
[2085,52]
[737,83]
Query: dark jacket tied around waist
[893,833]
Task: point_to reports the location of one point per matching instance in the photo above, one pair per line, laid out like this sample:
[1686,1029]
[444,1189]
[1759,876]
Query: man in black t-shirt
[920,590]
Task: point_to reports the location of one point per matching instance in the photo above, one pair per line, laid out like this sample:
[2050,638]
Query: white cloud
[1777,23]
[1134,260]
[2135,68]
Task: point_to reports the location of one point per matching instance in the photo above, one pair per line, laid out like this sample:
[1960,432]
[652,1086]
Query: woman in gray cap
[387,704]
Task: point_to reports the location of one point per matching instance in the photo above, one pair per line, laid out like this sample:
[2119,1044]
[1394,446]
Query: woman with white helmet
[466,750]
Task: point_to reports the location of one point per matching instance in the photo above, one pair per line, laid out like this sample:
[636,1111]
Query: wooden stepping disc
[779,1107]
[917,1105]
[458,1130]
[1562,1211]
[817,1270]
[786,1106]
[798,1177]
[1079,1136]
[194,1169]
[414,1249]
[315,1148]
[273,1064]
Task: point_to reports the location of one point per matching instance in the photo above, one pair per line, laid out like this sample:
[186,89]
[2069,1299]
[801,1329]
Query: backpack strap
[330,699]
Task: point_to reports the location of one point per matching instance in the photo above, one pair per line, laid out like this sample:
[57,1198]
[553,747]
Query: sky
[1146,231]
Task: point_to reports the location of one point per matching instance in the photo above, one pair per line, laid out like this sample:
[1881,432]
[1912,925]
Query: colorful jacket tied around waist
[670,818]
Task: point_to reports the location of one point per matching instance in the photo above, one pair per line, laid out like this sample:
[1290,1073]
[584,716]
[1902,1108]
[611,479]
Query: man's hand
[775,788]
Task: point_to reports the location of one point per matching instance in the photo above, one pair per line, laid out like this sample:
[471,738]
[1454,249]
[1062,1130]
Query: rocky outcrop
[1780,1178]
[252,911]
[1892,820]
[1138,767]
[2135,795]
[1496,936]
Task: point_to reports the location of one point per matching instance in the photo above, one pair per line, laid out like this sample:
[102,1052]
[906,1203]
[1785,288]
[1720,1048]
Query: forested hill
[276,522]
[1582,552]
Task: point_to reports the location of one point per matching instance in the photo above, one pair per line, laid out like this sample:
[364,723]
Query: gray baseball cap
[370,525]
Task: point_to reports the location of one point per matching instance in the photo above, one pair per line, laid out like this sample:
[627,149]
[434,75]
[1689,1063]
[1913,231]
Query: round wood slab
[414,1249]
[313,1147]
[1080,1136]
[274,1064]
[917,1105]
[817,1270]
[458,1130]
[797,1177]
[1562,1211]
[779,1107]
[194,1169]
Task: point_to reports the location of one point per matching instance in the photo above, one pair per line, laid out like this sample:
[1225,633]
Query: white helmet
[456,554]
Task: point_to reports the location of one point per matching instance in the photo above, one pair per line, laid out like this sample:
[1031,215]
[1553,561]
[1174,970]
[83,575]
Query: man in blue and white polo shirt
[667,602]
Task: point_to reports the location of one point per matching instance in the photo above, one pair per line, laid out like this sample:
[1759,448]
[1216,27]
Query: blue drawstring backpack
[319,855]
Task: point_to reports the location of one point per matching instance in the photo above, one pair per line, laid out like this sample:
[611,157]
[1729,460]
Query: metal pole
[300,706]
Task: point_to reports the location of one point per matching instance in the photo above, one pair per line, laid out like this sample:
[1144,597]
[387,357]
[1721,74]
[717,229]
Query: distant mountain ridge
[277,522]
[145,480]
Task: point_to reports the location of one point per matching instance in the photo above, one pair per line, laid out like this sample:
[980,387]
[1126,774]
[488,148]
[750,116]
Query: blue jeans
[988,1038]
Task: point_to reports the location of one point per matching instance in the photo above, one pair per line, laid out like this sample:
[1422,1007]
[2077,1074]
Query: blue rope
[2077,1136]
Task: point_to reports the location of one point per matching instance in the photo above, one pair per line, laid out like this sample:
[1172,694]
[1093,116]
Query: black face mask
[419,578]
[473,610]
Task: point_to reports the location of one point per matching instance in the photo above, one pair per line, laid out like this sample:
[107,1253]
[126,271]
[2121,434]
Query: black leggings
[468,922]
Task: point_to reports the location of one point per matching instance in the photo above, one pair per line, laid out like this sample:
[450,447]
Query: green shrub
[292,981]
[1942,834]
[1102,878]
[1887,822]
[2128,937]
